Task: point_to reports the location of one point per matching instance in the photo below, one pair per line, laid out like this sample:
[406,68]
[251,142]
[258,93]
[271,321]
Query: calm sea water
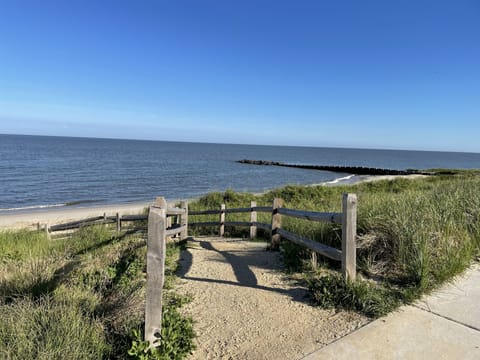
[42,171]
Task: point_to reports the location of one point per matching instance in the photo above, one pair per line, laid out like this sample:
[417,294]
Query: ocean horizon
[41,172]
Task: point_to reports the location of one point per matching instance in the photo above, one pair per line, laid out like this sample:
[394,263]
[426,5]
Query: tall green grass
[412,235]
[79,297]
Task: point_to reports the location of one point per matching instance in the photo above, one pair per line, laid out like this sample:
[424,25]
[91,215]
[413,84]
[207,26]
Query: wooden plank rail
[73,224]
[322,249]
[334,218]
[262,226]
[238,223]
[175,231]
[175,211]
[238,210]
[205,223]
[205,212]
[267,209]
[134,217]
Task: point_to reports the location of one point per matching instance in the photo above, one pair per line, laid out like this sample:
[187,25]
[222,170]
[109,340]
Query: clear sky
[371,74]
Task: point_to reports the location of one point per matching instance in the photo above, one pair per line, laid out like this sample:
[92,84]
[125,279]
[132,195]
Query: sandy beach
[370,178]
[30,219]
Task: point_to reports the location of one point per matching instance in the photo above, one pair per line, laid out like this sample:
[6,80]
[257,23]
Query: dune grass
[81,297]
[413,235]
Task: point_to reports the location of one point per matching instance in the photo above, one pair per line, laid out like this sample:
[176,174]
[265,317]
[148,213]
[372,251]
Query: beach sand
[370,178]
[30,219]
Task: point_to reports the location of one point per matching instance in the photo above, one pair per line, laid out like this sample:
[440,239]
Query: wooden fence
[347,218]
[96,220]
[160,227]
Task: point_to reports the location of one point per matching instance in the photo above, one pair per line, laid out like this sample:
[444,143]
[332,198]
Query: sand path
[244,307]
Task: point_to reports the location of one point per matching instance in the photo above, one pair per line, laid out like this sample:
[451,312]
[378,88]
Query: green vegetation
[412,236]
[82,297]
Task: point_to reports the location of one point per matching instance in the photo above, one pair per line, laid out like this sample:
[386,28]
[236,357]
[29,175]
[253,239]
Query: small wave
[33,207]
[336,181]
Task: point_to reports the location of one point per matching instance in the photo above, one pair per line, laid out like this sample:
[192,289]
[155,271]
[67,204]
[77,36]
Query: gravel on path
[245,307]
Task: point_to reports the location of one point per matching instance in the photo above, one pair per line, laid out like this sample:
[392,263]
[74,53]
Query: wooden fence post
[156,248]
[349,233]
[47,233]
[222,220]
[314,260]
[276,224]
[253,218]
[184,220]
[160,202]
[119,223]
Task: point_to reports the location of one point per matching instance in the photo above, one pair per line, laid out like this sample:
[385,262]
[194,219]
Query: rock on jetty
[354,170]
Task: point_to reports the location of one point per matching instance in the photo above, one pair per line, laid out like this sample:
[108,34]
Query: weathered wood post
[349,233]
[184,220]
[105,219]
[276,224]
[160,202]
[222,220]
[119,222]
[47,233]
[253,219]
[156,248]
[314,260]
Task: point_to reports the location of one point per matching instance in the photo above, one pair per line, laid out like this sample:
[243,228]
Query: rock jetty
[354,170]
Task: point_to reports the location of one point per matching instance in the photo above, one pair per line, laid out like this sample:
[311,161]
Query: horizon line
[242,144]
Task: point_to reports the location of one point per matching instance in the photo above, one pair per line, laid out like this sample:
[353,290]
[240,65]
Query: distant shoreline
[17,219]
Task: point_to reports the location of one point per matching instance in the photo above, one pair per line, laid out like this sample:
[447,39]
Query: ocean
[39,172]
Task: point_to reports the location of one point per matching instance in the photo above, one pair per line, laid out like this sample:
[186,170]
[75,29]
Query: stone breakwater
[355,170]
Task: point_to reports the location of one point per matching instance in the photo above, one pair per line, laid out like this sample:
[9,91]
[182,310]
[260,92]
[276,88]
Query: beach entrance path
[245,307]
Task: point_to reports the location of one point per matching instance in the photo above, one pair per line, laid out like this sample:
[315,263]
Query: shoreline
[17,219]
[52,216]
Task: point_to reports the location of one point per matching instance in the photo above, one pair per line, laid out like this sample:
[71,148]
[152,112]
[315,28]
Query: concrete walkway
[444,325]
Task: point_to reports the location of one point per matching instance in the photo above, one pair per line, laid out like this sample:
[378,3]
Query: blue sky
[369,74]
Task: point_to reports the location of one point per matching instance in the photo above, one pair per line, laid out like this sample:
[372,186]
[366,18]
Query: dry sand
[30,219]
[370,178]
[244,307]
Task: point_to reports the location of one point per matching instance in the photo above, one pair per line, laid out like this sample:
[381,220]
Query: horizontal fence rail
[334,218]
[101,220]
[322,249]
[204,223]
[134,218]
